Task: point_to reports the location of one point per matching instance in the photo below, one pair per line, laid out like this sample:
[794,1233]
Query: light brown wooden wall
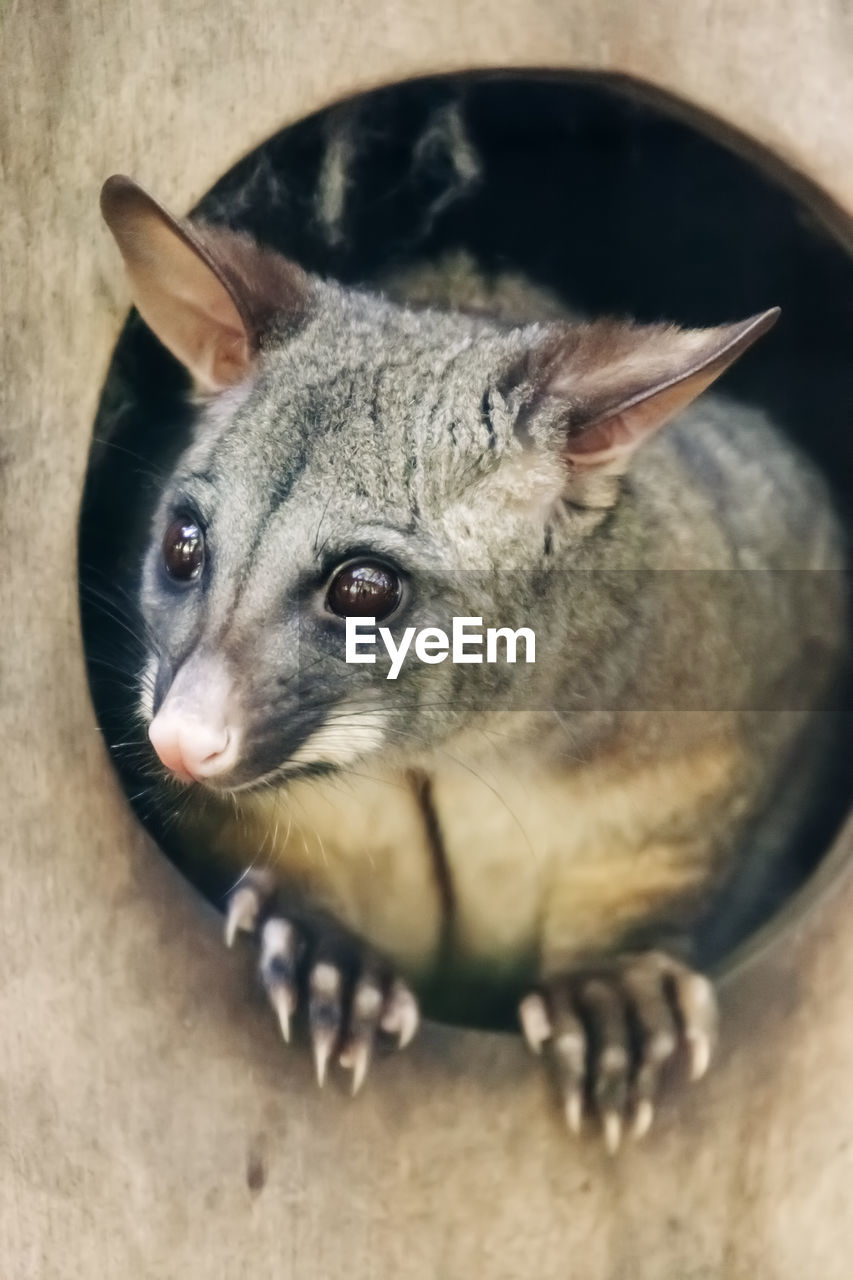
[141,1092]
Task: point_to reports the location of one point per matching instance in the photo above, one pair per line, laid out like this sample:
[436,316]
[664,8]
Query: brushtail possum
[473,835]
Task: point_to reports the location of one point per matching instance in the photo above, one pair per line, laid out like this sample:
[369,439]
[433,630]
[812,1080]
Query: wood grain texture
[151,1123]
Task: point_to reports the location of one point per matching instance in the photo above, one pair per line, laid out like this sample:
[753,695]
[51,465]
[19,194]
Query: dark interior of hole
[612,204]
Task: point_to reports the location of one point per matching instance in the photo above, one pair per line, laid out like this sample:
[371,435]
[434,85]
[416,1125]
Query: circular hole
[609,202]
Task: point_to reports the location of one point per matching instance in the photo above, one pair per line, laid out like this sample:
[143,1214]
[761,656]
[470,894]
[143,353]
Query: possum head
[356,458]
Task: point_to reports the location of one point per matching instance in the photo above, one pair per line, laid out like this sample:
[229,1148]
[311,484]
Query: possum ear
[209,294]
[596,392]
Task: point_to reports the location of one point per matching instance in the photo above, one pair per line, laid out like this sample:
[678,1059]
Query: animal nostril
[217,748]
[194,731]
[205,749]
[190,748]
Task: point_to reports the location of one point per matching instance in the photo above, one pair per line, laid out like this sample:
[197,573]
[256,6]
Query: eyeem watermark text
[433,645]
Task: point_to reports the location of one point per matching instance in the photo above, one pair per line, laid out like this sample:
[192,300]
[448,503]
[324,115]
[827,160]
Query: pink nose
[192,749]
[194,731]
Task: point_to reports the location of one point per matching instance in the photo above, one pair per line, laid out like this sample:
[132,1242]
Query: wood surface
[151,1123]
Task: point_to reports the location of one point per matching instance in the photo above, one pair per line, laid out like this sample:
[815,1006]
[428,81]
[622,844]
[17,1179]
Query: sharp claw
[409,1022]
[324,1015]
[612,1132]
[359,1060]
[323,1042]
[535,1023]
[278,970]
[643,1117]
[367,1005]
[242,913]
[700,1054]
[401,1017]
[573,1109]
[281,999]
[698,1008]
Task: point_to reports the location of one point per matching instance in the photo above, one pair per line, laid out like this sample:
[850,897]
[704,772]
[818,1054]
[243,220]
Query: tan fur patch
[551,864]
[563,863]
[355,844]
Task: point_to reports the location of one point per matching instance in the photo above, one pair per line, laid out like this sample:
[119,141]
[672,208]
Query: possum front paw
[306,964]
[611,1031]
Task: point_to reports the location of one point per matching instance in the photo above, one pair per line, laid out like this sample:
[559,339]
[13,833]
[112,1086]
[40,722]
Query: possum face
[354,459]
[322,488]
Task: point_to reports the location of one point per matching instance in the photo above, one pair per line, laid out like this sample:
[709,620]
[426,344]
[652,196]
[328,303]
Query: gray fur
[367,430]
[697,601]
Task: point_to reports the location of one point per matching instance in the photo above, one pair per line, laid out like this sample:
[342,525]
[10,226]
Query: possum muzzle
[195,731]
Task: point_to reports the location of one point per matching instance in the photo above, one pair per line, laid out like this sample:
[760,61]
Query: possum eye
[183,550]
[364,590]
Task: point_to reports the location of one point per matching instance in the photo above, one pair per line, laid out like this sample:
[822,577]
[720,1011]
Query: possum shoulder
[724,468]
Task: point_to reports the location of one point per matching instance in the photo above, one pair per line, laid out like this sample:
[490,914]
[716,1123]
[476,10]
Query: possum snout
[194,731]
